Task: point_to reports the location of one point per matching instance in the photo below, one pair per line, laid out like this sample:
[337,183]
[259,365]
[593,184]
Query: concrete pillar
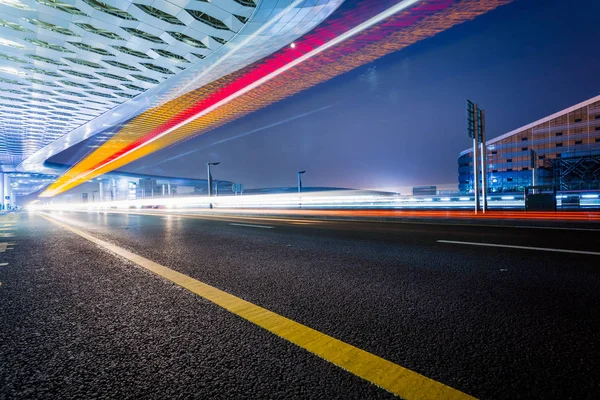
[2,190]
[6,185]
[113,190]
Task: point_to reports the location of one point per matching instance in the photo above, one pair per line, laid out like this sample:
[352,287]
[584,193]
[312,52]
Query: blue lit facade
[567,153]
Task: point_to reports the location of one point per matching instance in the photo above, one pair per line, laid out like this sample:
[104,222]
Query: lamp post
[208,165]
[533,166]
[300,181]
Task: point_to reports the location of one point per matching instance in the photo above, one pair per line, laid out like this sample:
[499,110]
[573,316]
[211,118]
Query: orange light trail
[429,214]
[289,71]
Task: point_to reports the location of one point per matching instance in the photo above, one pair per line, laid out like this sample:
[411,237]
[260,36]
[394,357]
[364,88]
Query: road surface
[491,312]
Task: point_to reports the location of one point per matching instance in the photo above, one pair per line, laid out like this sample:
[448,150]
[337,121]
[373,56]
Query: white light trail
[345,199]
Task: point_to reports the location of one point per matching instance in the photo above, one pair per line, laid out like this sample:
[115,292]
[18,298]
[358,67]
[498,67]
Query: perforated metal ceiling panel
[71,68]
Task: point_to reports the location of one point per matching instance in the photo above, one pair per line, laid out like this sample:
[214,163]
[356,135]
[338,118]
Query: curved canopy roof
[71,68]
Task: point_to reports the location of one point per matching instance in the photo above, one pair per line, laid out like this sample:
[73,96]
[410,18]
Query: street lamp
[300,181]
[208,164]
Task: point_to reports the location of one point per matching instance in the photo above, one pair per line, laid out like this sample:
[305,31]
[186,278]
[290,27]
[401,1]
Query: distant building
[566,148]
[424,190]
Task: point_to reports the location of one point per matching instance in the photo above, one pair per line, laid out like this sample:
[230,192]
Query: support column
[475,175]
[113,190]
[2,191]
[6,190]
[483,155]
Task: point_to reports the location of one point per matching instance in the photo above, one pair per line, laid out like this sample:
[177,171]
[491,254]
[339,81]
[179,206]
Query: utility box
[540,198]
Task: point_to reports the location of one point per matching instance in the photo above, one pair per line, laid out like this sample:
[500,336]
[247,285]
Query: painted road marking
[593,253]
[385,374]
[4,246]
[3,264]
[557,228]
[253,226]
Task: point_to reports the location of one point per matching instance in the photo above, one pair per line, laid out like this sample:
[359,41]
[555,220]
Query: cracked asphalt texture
[77,321]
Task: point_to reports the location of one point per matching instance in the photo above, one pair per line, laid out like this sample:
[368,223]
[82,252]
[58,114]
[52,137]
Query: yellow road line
[385,374]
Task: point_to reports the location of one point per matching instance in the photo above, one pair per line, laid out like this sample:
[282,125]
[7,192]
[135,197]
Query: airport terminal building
[566,149]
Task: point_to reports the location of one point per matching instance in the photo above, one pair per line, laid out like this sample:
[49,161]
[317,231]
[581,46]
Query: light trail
[333,49]
[324,204]
[334,42]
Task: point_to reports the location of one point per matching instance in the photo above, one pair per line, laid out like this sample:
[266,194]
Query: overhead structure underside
[71,68]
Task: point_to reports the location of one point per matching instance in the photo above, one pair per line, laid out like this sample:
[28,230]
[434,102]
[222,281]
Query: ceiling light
[10,43]
[10,70]
[16,4]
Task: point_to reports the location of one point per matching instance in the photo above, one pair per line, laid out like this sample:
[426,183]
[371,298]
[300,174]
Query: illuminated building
[566,153]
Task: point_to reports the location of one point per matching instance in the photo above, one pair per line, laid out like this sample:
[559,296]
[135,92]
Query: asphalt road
[77,321]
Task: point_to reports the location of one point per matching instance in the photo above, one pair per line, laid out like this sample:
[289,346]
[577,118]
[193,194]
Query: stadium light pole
[300,181]
[208,165]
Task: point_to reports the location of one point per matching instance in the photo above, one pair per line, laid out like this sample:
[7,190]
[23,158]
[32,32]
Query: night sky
[400,121]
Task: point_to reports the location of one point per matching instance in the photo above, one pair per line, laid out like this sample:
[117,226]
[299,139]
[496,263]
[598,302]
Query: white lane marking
[253,226]
[556,228]
[3,264]
[593,253]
